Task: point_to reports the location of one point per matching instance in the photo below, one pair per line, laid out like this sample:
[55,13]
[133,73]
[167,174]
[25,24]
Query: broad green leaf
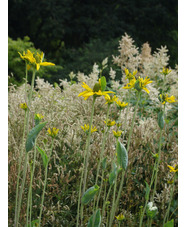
[161,120]
[104,163]
[147,191]
[113,174]
[32,136]
[43,155]
[169,223]
[122,156]
[89,194]
[103,83]
[97,219]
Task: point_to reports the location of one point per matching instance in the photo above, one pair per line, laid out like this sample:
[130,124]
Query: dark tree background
[77,33]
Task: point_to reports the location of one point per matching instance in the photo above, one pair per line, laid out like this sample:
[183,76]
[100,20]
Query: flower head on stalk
[165,71]
[120,217]
[138,84]
[117,134]
[53,132]
[110,99]
[110,123]
[121,105]
[38,118]
[23,106]
[86,128]
[98,89]
[165,98]
[35,60]
[130,76]
[173,169]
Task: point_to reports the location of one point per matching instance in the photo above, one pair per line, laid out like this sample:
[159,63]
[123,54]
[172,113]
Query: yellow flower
[131,84]
[34,60]
[121,104]
[53,132]
[29,57]
[110,123]
[96,91]
[165,71]
[23,106]
[39,61]
[120,217]
[117,134]
[39,116]
[173,169]
[130,76]
[110,99]
[143,83]
[165,98]
[86,128]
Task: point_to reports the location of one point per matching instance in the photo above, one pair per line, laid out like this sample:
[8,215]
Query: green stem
[19,168]
[146,201]
[128,144]
[45,182]
[81,181]
[171,195]
[104,204]
[88,146]
[22,187]
[114,196]
[157,167]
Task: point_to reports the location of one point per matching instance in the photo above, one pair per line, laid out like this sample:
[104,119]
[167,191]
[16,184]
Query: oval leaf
[89,194]
[113,174]
[32,136]
[103,83]
[97,219]
[43,155]
[169,223]
[122,155]
[161,120]
[104,163]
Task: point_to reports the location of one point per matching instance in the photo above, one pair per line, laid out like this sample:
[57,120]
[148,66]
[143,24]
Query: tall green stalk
[85,164]
[45,182]
[128,145]
[26,155]
[22,148]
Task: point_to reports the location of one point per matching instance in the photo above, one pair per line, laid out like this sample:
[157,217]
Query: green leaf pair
[122,155]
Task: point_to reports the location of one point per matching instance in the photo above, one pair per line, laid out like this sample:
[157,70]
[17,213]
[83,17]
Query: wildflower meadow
[94,150]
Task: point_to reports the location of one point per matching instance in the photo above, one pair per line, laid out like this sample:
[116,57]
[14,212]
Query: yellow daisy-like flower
[110,99]
[29,57]
[165,71]
[110,123]
[131,84]
[165,98]
[34,60]
[121,104]
[96,91]
[173,169]
[138,84]
[130,76]
[39,116]
[117,134]
[120,217]
[39,61]
[53,132]
[23,106]
[86,128]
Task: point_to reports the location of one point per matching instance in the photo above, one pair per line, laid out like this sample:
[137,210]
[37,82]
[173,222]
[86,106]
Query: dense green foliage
[75,34]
